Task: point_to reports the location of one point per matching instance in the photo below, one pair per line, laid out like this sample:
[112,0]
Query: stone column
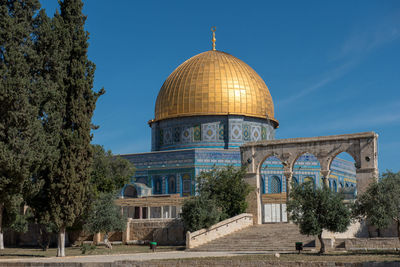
[364,177]
[254,198]
[126,233]
[325,176]
[288,175]
[140,213]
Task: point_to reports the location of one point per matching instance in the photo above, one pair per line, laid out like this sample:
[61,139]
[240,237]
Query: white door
[274,213]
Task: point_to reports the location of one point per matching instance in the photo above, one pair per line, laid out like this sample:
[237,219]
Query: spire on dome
[213,29]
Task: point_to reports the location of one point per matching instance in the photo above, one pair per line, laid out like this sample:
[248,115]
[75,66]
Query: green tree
[227,187]
[199,212]
[380,203]
[315,209]
[105,217]
[20,130]
[66,177]
[109,173]
[221,194]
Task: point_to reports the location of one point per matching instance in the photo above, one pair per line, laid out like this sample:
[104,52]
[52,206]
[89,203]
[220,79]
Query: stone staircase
[279,237]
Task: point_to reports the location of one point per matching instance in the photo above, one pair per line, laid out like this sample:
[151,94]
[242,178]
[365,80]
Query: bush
[198,213]
[87,248]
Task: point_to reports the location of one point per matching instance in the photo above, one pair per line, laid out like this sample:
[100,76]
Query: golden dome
[214,83]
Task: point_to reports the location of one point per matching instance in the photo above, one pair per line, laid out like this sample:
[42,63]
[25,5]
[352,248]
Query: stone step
[265,237]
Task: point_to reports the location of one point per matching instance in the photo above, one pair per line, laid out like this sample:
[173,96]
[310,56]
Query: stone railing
[218,230]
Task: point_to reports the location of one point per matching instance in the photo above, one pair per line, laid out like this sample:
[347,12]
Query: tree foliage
[105,217]
[380,203]
[109,173]
[21,139]
[317,209]
[69,73]
[199,212]
[227,187]
[221,194]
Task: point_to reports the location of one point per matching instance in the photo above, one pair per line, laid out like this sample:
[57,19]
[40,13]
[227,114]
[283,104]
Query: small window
[275,185]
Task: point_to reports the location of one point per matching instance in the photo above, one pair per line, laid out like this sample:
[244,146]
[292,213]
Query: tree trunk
[43,238]
[322,249]
[1,227]
[106,242]
[61,242]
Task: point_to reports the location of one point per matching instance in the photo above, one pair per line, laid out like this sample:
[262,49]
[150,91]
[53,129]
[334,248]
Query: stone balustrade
[218,230]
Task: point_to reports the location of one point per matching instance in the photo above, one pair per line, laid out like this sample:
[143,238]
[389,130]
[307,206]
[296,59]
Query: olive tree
[316,209]
[380,203]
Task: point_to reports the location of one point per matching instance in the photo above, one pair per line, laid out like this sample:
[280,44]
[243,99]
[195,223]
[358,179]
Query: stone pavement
[128,257]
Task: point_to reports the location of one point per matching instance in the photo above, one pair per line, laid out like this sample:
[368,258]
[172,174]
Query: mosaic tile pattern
[263,133]
[197,133]
[221,132]
[167,136]
[209,132]
[158,166]
[255,133]
[246,132]
[177,134]
[186,135]
[236,132]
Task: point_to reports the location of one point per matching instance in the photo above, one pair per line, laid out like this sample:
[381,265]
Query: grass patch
[12,253]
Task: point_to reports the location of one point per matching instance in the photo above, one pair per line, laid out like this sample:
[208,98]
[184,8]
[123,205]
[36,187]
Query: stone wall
[378,243]
[218,230]
[354,230]
[162,231]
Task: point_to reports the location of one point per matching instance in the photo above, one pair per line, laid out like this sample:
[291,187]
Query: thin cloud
[370,118]
[367,39]
[328,78]
[353,51]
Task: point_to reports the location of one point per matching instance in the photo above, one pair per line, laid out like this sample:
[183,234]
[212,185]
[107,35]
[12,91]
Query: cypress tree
[68,71]
[20,126]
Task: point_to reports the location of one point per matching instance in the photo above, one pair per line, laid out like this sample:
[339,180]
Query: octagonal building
[206,109]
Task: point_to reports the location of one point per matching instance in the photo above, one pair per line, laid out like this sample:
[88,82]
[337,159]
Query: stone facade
[362,147]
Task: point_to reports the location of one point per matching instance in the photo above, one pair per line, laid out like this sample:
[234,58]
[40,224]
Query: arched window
[275,185]
[130,191]
[172,184]
[157,185]
[334,186]
[295,181]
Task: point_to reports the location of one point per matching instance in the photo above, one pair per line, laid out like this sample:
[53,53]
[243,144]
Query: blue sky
[332,67]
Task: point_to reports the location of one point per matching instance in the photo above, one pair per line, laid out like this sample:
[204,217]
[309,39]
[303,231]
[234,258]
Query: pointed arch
[130,191]
[275,185]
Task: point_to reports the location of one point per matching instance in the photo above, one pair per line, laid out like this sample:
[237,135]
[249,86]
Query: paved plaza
[131,257]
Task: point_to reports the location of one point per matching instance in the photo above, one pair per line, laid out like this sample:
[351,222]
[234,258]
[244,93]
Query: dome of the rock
[214,83]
